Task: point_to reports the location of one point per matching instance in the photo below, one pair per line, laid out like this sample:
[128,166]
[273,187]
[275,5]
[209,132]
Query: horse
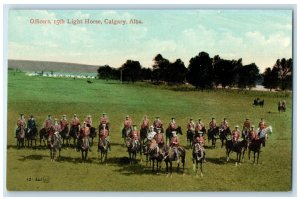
[245,134]
[264,134]
[20,135]
[103,145]
[170,156]
[125,133]
[54,144]
[212,135]
[43,136]
[74,134]
[255,146]
[133,147]
[238,147]
[281,106]
[198,157]
[84,146]
[155,155]
[65,136]
[258,102]
[93,133]
[143,133]
[223,135]
[190,138]
[31,135]
[169,133]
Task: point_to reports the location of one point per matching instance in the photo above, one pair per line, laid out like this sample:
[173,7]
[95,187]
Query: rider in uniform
[224,125]
[145,123]
[135,135]
[253,134]
[89,121]
[31,124]
[200,140]
[48,123]
[199,127]
[75,122]
[172,125]
[212,124]
[84,134]
[191,126]
[157,124]
[261,126]
[57,126]
[174,145]
[127,122]
[21,124]
[104,133]
[235,135]
[104,120]
[64,122]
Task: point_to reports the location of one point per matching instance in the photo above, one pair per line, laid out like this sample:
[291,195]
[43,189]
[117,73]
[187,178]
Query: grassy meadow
[41,96]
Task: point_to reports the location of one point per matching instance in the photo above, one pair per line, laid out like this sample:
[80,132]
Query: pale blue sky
[259,36]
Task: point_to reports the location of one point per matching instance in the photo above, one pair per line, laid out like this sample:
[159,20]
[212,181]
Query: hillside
[28,65]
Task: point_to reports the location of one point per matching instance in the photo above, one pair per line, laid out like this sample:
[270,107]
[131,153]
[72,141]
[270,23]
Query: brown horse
[255,146]
[238,147]
[170,156]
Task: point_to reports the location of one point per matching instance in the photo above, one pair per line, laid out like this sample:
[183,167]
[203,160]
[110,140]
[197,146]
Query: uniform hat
[237,126]
[55,119]
[252,126]
[89,115]
[75,115]
[21,114]
[84,122]
[64,115]
[157,117]
[172,118]
[127,116]
[49,115]
[199,119]
[212,118]
[31,116]
[103,113]
[191,118]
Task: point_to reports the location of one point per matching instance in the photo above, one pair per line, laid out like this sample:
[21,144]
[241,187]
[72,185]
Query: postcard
[150,100]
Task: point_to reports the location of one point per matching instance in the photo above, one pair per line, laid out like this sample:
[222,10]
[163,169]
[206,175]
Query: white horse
[263,133]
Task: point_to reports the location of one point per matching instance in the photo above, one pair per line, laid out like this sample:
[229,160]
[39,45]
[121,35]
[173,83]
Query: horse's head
[270,129]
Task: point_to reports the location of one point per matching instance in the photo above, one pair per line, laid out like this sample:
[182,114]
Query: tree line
[203,72]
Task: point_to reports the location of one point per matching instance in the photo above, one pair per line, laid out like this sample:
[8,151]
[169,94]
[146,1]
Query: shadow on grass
[33,157]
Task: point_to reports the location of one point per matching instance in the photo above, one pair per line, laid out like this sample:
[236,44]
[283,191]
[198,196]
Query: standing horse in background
[212,135]
[238,147]
[133,147]
[258,102]
[54,144]
[170,156]
[281,106]
[198,157]
[169,133]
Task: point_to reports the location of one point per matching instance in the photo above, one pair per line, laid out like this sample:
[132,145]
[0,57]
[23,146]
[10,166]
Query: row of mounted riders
[149,142]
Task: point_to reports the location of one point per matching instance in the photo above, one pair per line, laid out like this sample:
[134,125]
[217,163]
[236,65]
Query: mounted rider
[199,127]
[145,123]
[104,120]
[157,124]
[235,135]
[174,145]
[104,134]
[21,124]
[64,122]
[75,124]
[172,125]
[253,134]
[212,124]
[48,124]
[191,126]
[261,128]
[152,133]
[56,126]
[31,124]
[89,121]
[135,136]
[224,125]
[159,138]
[247,124]
[127,122]
[84,134]
[201,141]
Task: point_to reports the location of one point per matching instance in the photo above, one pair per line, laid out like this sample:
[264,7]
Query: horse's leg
[167,167]
[156,166]
[152,165]
[82,156]
[254,156]
[257,157]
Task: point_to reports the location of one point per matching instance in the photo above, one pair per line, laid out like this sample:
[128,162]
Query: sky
[256,36]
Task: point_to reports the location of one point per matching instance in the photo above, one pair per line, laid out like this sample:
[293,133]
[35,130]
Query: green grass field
[41,96]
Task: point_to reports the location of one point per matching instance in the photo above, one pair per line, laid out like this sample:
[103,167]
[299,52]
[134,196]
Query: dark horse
[255,146]
[238,147]
[84,147]
[43,136]
[198,157]
[223,135]
[65,136]
[281,106]
[258,102]
[20,135]
[169,133]
[31,135]
[143,133]
[170,156]
[133,147]
[125,133]
[93,133]
[74,130]
[155,155]
[212,135]
[190,136]
[103,145]
[54,144]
